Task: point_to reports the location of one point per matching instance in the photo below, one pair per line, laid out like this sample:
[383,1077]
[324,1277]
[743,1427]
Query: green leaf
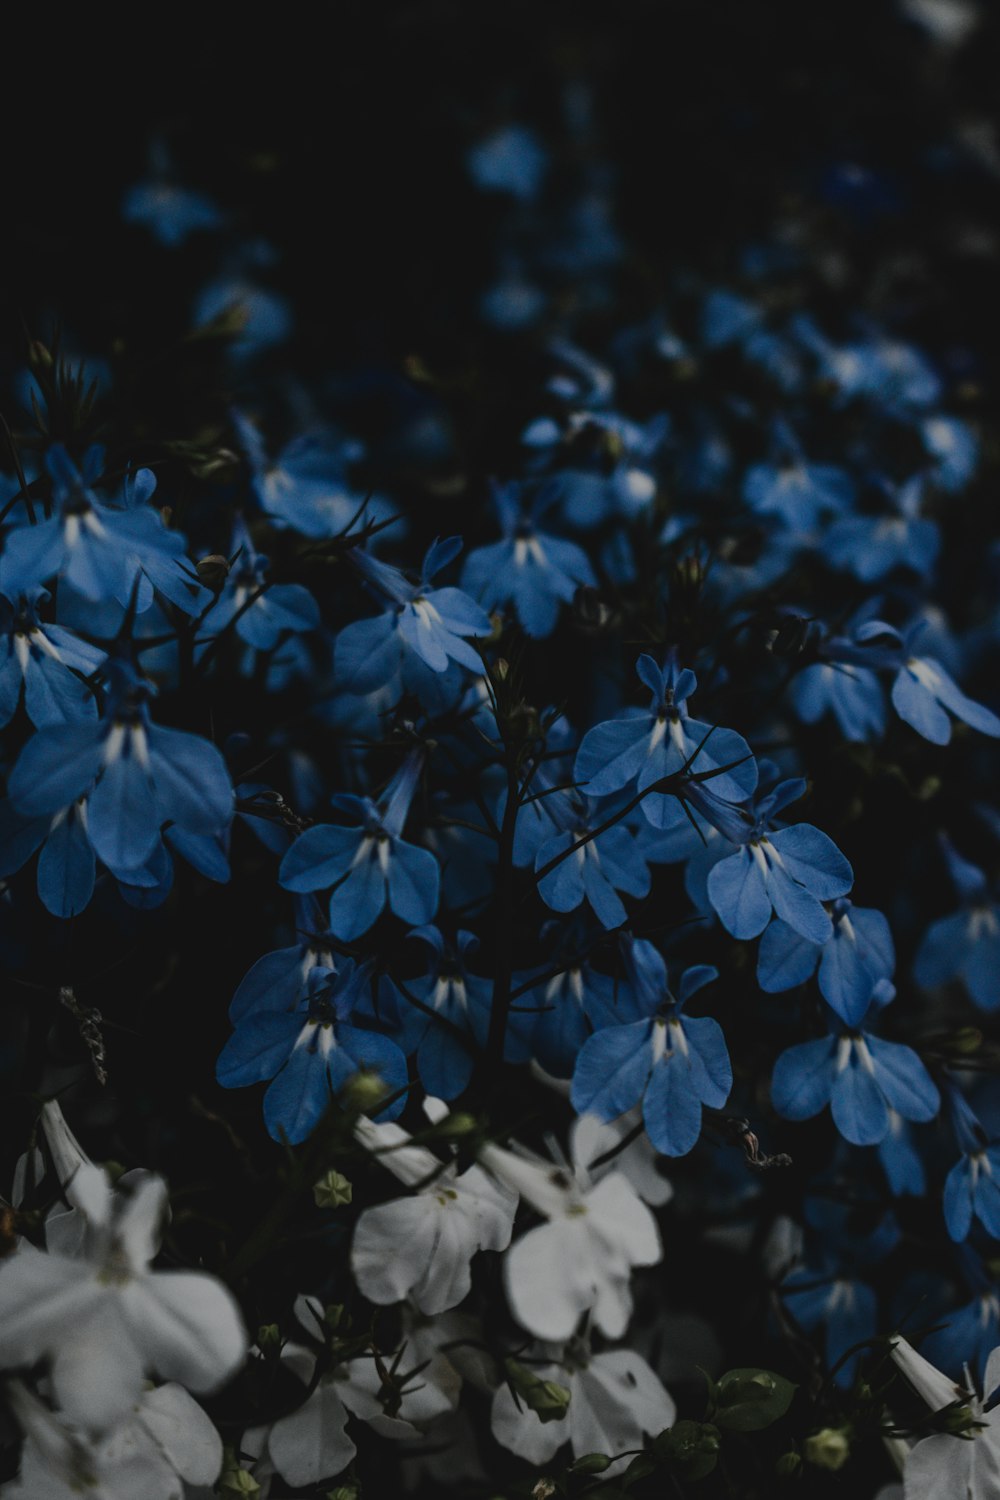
[749,1400]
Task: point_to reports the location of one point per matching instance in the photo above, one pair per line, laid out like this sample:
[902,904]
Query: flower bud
[830,1448]
[268,1336]
[788,1465]
[332,1190]
[548,1400]
[213,571]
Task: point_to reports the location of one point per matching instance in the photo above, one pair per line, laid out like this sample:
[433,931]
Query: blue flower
[530,568]
[669,1062]
[368,865]
[306,486]
[45,660]
[66,863]
[103,553]
[843,1306]
[311,1053]
[569,1005]
[262,612]
[851,693]
[448,1039]
[512,160]
[872,546]
[972,1187]
[953,447]
[901,1161]
[790,870]
[135,774]
[647,745]
[858,953]
[970,1334]
[169,212]
[966,944]
[279,980]
[422,632]
[797,492]
[859,1075]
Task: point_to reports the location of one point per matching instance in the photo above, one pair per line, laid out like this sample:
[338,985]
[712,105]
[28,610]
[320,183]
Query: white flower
[615,1398]
[312,1444]
[166,1442]
[422,1246]
[945,1466]
[591,1138]
[581,1259]
[103,1319]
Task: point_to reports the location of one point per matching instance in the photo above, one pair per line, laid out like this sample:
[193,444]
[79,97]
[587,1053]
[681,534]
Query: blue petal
[858,1106]
[612,1069]
[66,869]
[903,1079]
[414,883]
[814,860]
[357,903]
[56,767]
[958,1200]
[803,1079]
[738,894]
[191,780]
[123,818]
[257,1048]
[319,857]
[706,1039]
[671,1109]
[785,958]
[612,754]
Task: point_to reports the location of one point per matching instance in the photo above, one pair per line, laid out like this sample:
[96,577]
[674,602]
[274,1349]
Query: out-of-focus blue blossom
[512,160]
[49,662]
[851,693]
[135,774]
[422,630]
[844,1307]
[797,492]
[368,864]
[901,1161]
[569,1004]
[791,871]
[279,980]
[262,612]
[887,372]
[972,1187]
[922,689]
[966,944]
[103,553]
[171,213]
[262,318]
[870,547]
[307,486]
[671,1063]
[646,745]
[727,319]
[311,1053]
[954,448]
[971,1333]
[859,1075]
[531,569]
[858,953]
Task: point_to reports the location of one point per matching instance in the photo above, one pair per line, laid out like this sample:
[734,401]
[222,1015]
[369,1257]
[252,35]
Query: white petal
[618,1216]
[394,1247]
[183,1433]
[940,1468]
[188,1327]
[40,1297]
[68,1156]
[550,1278]
[618,1399]
[97,1370]
[312,1444]
[140,1221]
[517,1427]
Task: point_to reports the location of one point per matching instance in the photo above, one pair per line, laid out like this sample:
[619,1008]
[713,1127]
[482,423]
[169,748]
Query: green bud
[692,1447]
[549,1401]
[332,1315]
[830,1448]
[591,1463]
[238,1482]
[332,1190]
[213,571]
[344,1492]
[363,1093]
[268,1336]
[788,1466]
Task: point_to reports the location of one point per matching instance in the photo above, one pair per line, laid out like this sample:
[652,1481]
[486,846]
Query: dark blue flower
[311,1054]
[530,568]
[859,1075]
[368,865]
[972,1187]
[670,1063]
[262,612]
[858,953]
[48,662]
[645,745]
[966,944]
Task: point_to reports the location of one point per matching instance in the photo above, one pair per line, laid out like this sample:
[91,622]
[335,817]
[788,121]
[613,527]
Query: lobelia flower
[369,865]
[103,553]
[797,492]
[145,776]
[311,1053]
[647,745]
[66,861]
[421,629]
[870,547]
[580,1260]
[448,1040]
[259,612]
[104,1320]
[421,1247]
[47,662]
[947,1465]
[306,487]
[592,1138]
[531,569]
[859,1075]
[667,1063]
[851,693]
[615,1400]
[568,1004]
[966,944]
[972,1187]
[164,1444]
[790,870]
[596,871]
[858,953]
[967,1336]
[312,1443]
